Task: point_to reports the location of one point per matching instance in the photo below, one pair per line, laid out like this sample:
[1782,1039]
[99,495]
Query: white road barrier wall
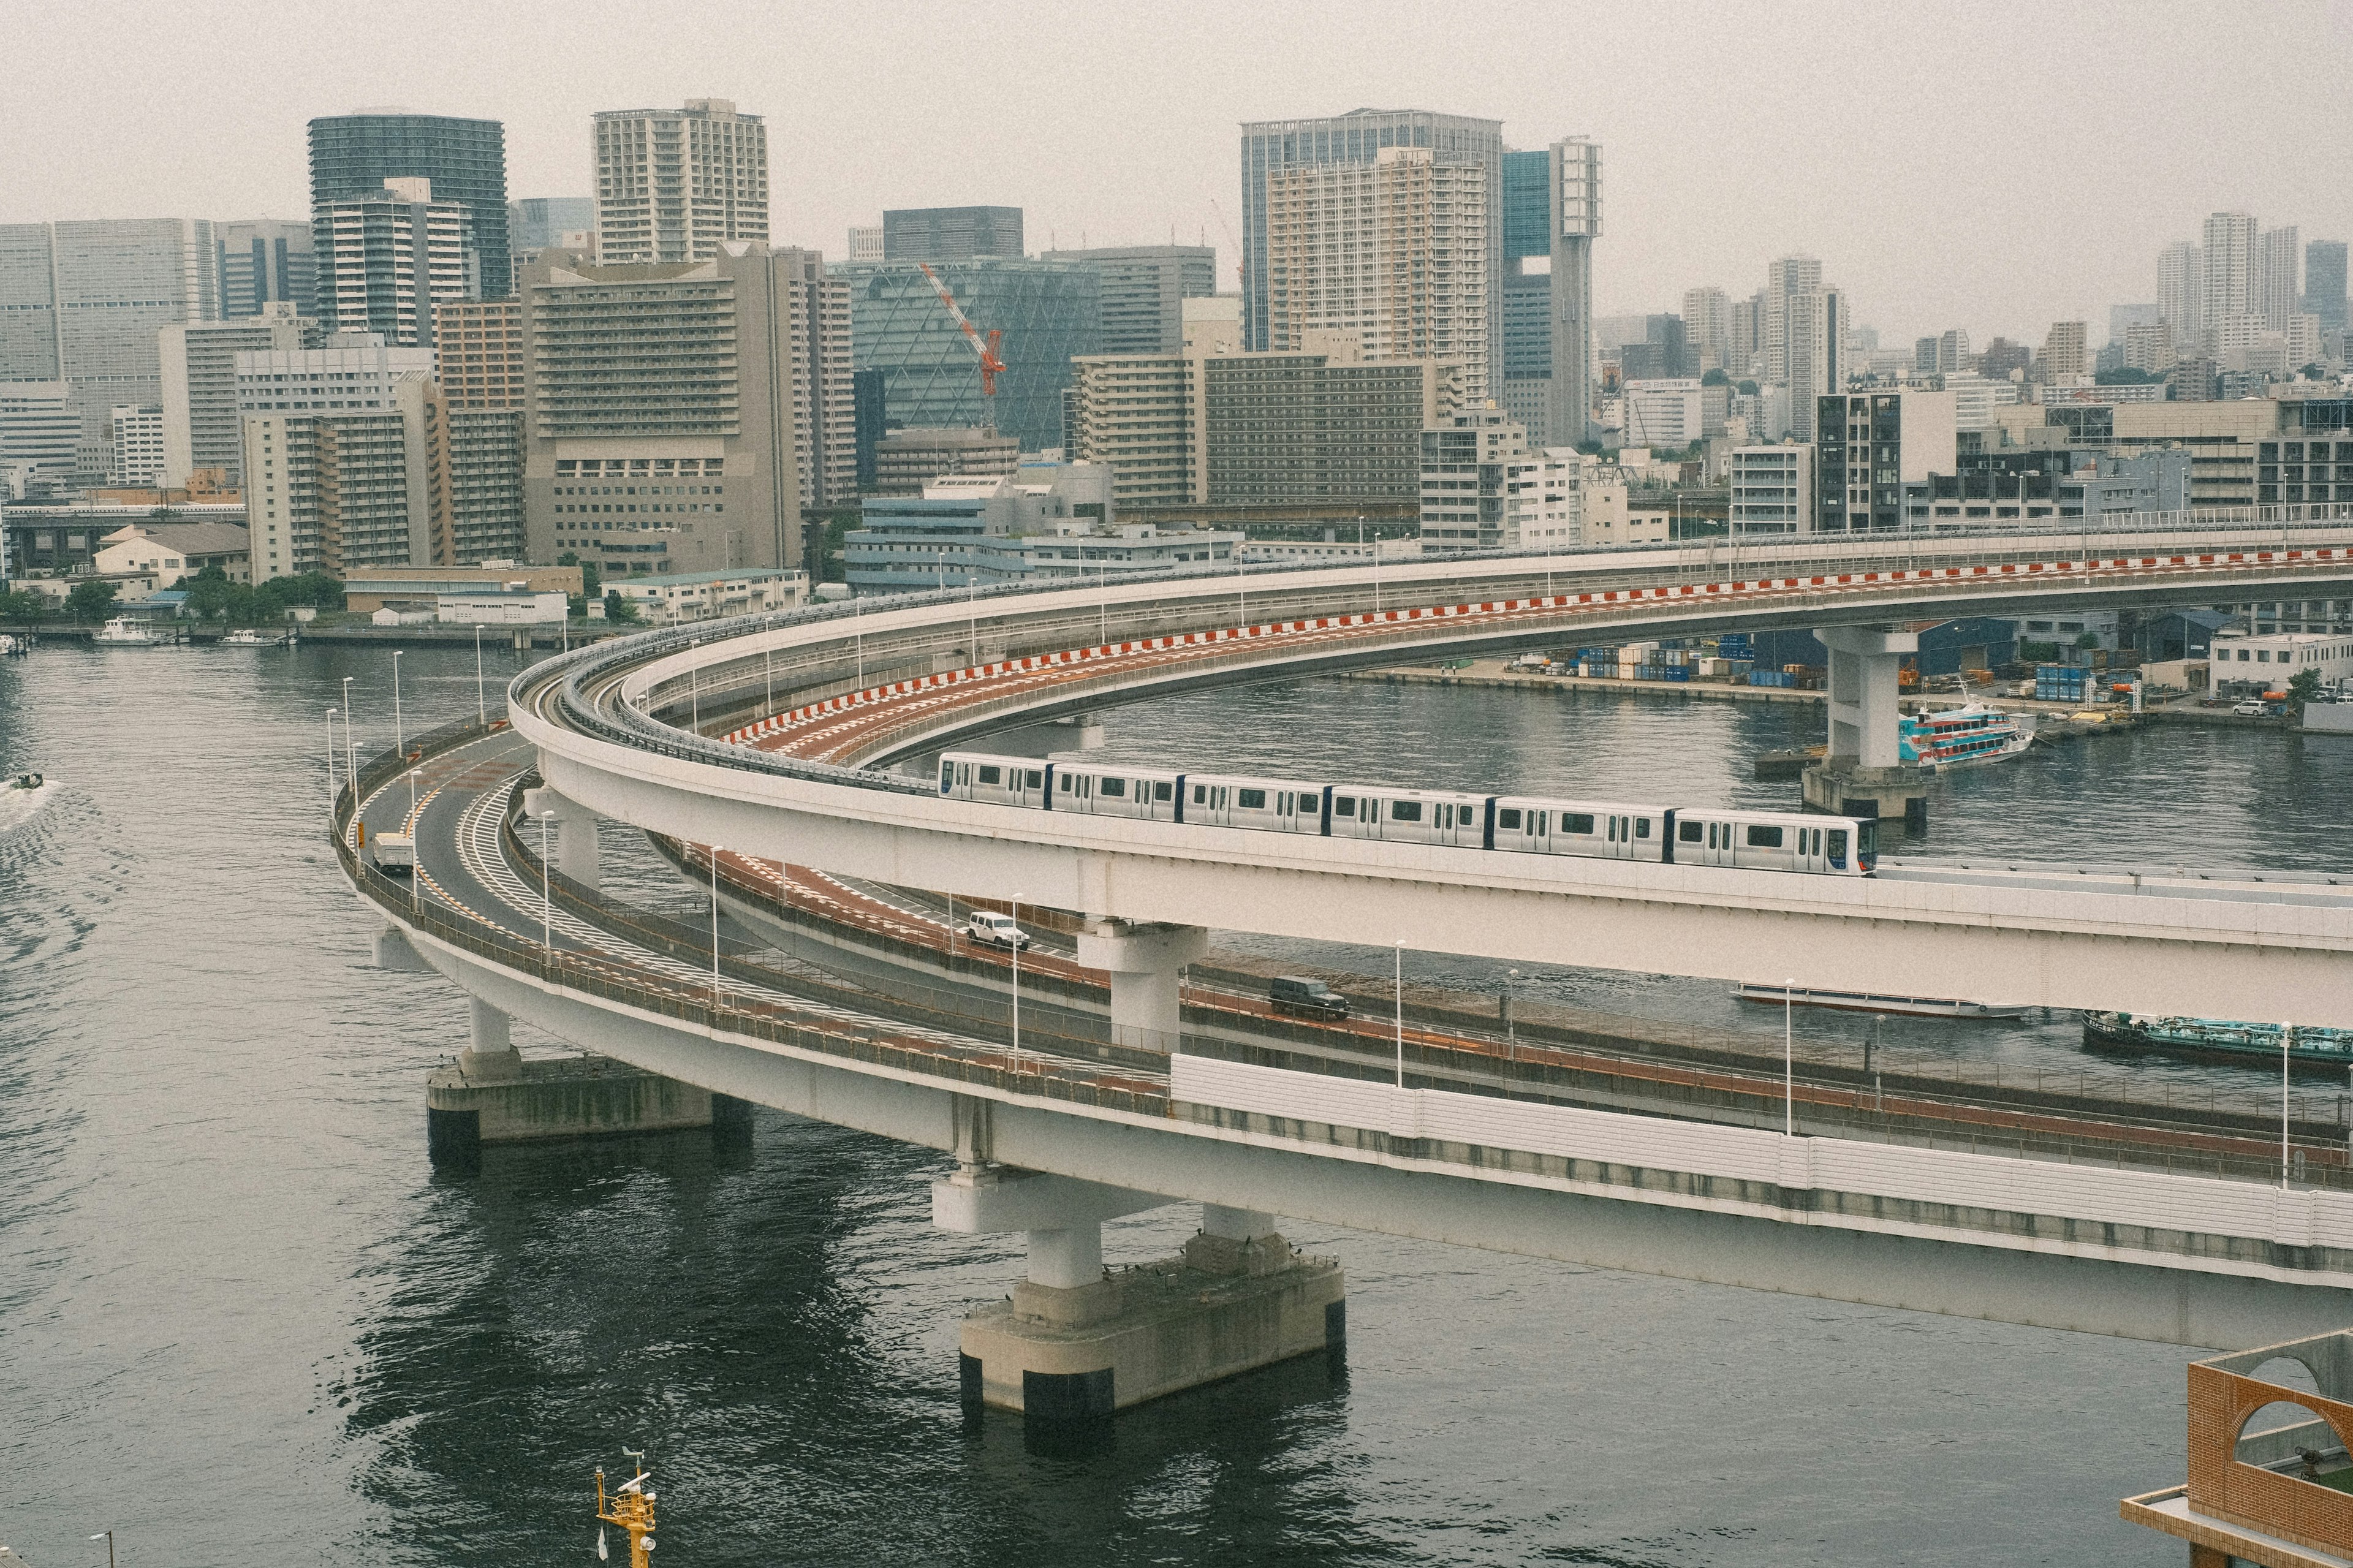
[2198,1204]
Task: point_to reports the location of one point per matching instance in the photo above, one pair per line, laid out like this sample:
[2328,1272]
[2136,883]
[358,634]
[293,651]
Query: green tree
[91,599]
[208,594]
[2302,688]
[2088,640]
[1748,389]
[23,605]
[620,609]
[1716,378]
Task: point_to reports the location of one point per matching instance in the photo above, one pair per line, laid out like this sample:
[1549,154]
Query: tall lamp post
[1788,1059]
[715,932]
[399,731]
[1016,901]
[1400,1014]
[2287,1036]
[546,904]
[350,746]
[107,1536]
[481,693]
[332,790]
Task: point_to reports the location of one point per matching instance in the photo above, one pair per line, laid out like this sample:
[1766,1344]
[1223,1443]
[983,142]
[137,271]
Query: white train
[1524,824]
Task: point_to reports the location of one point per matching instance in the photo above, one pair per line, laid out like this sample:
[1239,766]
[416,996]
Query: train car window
[1113,789]
[1253,800]
[1537,826]
[1344,806]
[1445,816]
[1163,790]
[1405,811]
[1067,781]
[1764,838]
[964,772]
[1642,828]
[947,774]
[1866,845]
[1576,821]
[1838,846]
[1037,778]
[1200,794]
[1509,817]
[990,775]
[1689,832]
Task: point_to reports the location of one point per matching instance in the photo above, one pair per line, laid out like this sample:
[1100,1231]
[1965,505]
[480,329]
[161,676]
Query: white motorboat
[246,636]
[22,795]
[124,632]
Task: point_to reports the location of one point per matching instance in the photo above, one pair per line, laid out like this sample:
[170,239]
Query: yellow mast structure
[632,1508]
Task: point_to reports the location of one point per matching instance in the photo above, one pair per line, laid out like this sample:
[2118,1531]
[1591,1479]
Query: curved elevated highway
[757,737]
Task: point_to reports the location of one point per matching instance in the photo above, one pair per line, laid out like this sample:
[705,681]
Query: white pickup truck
[997,930]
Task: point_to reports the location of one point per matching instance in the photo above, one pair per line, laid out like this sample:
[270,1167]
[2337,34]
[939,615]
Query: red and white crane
[986,348]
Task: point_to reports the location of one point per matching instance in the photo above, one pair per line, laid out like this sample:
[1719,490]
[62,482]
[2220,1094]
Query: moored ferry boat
[124,632]
[1957,736]
[2219,1039]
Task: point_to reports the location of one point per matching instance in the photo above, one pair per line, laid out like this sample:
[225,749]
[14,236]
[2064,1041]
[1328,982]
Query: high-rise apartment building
[465,161]
[2066,352]
[674,184]
[478,353]
[390,256]
[1394,252]
[1785,279]
[82,303]
[951,234]
[2150,347]
[2230,281]
[1483,489]
[2279,271]
[659,414]
[1360,136]
[1541,371]
[2324,283]
[2181,290]
[263,262]
[825,402]
[1707,326]
[1142,289]
[1772,488]
[327,489]
[1048,312]
[1748,337]
[1574,204]
[1813,354]
[201,422]
[1218,427]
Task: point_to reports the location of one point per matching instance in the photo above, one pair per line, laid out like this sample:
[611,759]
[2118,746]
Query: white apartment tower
[199,359]
[1393,253]
[1707,326]
[2228,284]
[2181,290]
[824,423]
[396,254]
[1790,277]
[672,184]
[2279,277]
[2066,353]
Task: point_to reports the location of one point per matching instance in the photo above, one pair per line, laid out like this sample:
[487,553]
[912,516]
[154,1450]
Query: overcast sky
[1993,166]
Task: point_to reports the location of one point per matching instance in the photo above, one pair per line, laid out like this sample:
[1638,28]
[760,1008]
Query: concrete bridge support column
[490,1056]
[1145,963]
[1863,773]
[574,839]
[1077,1342]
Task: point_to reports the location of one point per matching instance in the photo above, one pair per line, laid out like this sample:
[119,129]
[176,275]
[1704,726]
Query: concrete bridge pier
[1145,963]
[490,1056]
[1863,773]
[1076,1342]
[575,847]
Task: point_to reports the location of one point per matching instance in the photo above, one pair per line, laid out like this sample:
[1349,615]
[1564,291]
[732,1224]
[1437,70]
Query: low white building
[662,601]
[1483,489]
[144,555]
[1772,490]
[2243,661]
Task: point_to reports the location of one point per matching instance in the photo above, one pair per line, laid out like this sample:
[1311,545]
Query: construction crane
[990,364]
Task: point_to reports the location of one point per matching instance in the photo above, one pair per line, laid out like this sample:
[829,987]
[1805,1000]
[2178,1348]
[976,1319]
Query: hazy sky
[1993,166]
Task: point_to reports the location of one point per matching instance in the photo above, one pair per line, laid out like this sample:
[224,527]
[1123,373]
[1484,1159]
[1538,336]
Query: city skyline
[1926,222]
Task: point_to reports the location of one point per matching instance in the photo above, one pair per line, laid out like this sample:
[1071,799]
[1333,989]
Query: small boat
[1875,1002]
[124,632]
[1957,736]
[11,645]
[244,636]
[2218,1039]
[21,795]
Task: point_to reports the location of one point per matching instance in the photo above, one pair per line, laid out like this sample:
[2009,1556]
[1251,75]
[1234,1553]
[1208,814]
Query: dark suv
[1306,998]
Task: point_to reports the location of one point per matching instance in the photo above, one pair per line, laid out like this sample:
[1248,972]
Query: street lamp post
[1510,1010]
[399,731]
[481,693]
[714,929]
[2287,1036]
[332,791]
[108,1536]
[351,746]
[546,903]
[1017,974]
[1400,1014]
[1788,1059]
[410,824]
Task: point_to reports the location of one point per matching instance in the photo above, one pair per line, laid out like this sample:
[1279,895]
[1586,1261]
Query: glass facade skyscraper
[466,160]
[1047,311]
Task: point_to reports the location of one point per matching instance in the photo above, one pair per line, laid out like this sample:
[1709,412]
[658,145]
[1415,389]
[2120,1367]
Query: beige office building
[1393,253]
[659,418]
[674,184]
